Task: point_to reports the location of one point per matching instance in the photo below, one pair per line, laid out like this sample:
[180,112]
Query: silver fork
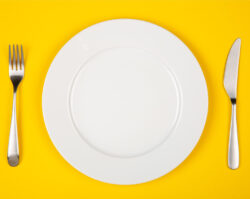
[16,73]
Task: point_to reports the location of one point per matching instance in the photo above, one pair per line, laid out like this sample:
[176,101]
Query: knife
[230,84]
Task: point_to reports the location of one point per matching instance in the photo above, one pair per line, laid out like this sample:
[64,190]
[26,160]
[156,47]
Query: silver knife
[230,84]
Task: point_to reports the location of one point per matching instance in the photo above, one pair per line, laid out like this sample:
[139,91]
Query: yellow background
[43,27]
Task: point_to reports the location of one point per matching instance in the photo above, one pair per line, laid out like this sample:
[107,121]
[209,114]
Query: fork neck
[15,88]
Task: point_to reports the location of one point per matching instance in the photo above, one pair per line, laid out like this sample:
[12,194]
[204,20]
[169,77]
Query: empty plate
[125,101]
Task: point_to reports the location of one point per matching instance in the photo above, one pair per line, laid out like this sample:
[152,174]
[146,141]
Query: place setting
[125,101]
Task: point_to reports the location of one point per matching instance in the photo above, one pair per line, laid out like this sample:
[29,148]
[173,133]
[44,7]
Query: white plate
[125,101]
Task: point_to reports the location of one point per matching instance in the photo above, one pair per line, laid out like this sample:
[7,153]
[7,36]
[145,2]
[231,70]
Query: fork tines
[15,63]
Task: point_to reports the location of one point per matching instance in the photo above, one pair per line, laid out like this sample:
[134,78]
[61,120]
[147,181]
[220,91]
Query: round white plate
[125,101]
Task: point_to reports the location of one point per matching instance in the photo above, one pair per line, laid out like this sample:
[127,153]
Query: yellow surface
[43,27]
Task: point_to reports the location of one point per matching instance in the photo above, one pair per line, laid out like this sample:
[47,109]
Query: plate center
[124,102]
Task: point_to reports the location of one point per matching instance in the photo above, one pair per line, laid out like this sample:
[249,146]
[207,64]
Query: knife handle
[233,151]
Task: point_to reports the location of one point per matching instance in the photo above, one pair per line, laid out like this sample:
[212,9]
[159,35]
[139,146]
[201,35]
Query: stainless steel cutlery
[16,73]
[230,84]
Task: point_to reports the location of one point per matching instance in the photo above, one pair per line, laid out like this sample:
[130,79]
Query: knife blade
[230,84]
[231,70]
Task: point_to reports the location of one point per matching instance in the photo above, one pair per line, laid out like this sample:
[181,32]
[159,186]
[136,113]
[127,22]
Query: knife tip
[238,40]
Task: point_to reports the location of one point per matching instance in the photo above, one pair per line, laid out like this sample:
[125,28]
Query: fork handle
[13,149]
[233,151]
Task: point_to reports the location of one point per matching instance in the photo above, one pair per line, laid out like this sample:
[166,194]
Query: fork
[16,73]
